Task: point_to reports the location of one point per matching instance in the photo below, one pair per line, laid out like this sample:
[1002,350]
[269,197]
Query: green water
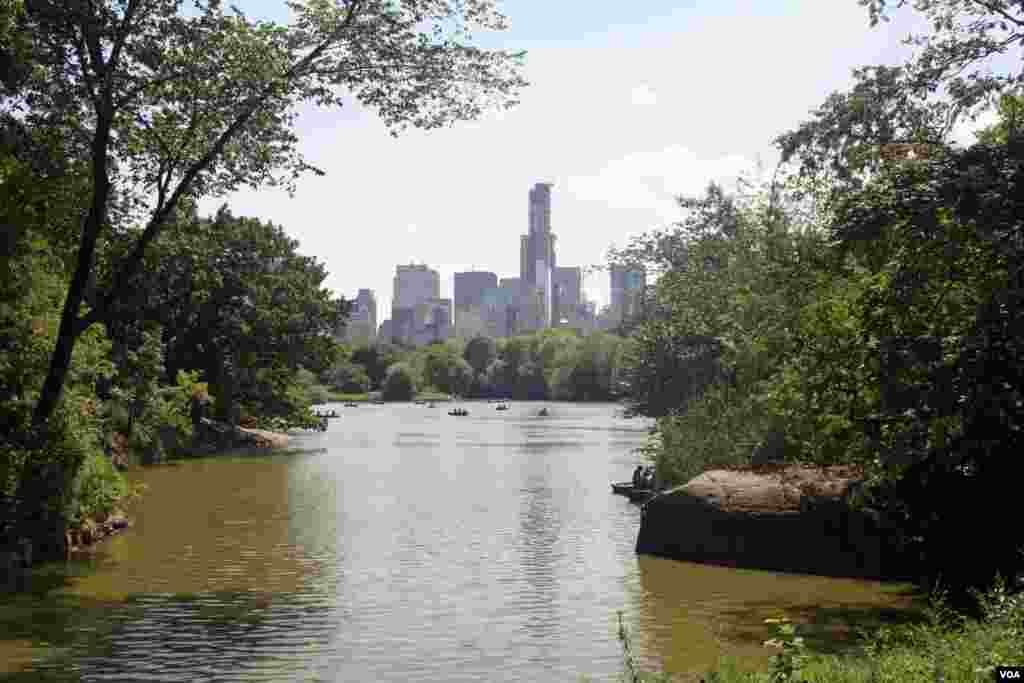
[405,545]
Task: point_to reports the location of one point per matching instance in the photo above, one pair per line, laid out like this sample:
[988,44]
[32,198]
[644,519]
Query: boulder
[779,518]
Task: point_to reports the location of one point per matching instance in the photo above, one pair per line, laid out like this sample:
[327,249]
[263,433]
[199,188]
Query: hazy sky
[630,104]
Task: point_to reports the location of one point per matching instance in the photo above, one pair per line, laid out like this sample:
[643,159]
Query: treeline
[226,315]
[551,364]
[864,307]
[117,302]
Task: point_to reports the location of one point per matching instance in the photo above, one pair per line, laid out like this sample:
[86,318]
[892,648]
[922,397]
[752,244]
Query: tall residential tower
[537,257]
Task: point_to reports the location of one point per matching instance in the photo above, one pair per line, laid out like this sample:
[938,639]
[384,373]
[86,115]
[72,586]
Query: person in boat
[648,478]
[638,474]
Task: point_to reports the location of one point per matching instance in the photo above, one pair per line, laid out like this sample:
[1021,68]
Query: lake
[404,544]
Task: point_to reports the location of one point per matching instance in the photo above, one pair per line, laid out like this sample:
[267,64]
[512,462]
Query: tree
[1010,125]
[399,383]
[201,104]
[376,360]
[237,302]
[346,377]
[949,79]
[480,352]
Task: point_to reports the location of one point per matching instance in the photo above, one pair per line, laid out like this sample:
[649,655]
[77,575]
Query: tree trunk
[223,385]
[70,326]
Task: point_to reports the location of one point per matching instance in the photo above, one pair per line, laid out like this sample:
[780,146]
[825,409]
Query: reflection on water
[402,545]
[692,614]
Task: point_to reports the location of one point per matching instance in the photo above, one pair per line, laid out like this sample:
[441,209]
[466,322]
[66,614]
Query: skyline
[627,108]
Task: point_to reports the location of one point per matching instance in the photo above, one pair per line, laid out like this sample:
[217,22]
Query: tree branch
[133,259]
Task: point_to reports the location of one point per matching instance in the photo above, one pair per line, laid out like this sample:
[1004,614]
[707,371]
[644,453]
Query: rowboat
[637,495]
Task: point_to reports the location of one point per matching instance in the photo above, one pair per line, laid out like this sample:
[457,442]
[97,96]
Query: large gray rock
[781,519]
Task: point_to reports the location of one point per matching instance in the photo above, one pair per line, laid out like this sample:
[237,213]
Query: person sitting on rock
[638,474]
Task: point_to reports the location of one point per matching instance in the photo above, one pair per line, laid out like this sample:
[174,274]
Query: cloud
[652,180]
[643,96]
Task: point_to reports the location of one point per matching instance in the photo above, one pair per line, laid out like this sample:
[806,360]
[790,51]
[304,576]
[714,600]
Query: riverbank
[337,397]
[940,646]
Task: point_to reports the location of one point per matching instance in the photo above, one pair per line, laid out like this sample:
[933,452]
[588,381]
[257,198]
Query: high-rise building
[470,287]
[537,253]
[362,321]
[567,295]
[432,321]
[414,285]
[627,291]
[469,297]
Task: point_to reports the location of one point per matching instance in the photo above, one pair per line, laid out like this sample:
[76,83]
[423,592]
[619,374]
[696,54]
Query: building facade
[537,256]
[627,286]
[413,285]
[469,291]
[362,321]
[568,294]
[432,321]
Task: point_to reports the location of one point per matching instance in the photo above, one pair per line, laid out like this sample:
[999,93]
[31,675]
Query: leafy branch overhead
[170,105]
[959,68]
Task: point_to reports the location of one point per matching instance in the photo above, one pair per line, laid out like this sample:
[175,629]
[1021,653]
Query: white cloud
[652,180]
[621,124]
[643,96]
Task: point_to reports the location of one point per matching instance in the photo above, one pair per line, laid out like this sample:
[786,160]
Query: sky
[630,105]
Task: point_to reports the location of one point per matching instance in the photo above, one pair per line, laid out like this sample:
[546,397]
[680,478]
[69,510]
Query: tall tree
[199,104]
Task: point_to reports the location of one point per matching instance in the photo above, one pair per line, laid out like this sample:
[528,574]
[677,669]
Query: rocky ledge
[213,436]
[776,518]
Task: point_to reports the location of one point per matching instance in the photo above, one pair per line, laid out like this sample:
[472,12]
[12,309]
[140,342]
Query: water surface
[405,545]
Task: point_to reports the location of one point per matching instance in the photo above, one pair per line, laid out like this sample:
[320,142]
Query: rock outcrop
[212,436]
[775,518]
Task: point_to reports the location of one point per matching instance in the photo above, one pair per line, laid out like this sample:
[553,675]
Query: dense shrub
[399,383]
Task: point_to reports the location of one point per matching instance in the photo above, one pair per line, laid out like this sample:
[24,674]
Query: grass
[432,396]
[945,648]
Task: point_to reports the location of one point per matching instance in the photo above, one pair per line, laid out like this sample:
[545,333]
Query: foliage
[480,352]
[726,315]
[399,383]
[202,103]
[97,489]
[239,303]
[631,673]
[549,364]
[787,665]
[346,377]
[376,360]
[943,646]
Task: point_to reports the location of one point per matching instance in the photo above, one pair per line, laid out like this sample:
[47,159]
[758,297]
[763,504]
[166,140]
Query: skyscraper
[414,285]
[469,294]
[568,293]
[362,321]
[627,290]
[537,252]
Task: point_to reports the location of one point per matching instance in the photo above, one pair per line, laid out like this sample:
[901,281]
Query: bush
[399,383]
[318,394]
[97,489]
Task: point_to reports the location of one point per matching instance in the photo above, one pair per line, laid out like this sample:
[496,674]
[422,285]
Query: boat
[458,412]
[431,405]
[502,407]
[543,412]
[351,404]
[636,495]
